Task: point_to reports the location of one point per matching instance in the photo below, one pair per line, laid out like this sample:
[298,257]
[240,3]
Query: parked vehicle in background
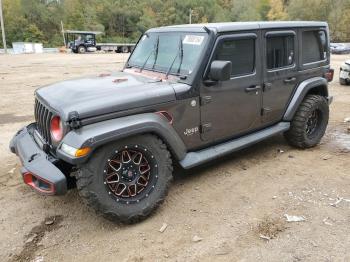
[85,41]
[344,74]
[340,48]
[188,94]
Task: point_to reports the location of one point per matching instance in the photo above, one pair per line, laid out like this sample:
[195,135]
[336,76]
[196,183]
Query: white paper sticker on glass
[193,39]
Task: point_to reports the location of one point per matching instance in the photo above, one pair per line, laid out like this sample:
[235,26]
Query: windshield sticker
[193,39]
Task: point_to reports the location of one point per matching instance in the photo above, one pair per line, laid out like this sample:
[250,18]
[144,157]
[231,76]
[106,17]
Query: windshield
[164,51]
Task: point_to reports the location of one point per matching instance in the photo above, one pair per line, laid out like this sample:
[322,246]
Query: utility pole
[191,11]
[3,29]
[64,38]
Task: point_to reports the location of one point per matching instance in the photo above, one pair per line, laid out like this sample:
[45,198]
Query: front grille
[43,118]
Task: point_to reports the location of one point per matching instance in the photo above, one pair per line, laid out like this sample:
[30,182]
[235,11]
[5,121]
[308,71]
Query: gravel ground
[223,211]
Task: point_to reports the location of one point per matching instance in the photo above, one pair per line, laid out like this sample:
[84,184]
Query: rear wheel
[125,49]
[127,180]
[81,50]
[309,123]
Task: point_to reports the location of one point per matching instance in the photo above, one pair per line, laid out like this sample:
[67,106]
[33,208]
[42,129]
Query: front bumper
[37,171]
[344,71]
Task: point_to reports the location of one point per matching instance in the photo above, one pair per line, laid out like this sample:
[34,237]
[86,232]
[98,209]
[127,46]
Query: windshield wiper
[156,53]
[179,53]
[155,50]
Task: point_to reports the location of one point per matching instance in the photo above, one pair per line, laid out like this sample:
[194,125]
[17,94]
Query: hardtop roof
[239,26]
[83,32]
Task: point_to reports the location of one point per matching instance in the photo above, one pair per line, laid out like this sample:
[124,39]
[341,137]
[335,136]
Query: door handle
[210,82]
[289,80]
[252,88]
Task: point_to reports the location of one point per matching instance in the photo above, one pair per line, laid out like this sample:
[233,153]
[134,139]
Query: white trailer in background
[116,47]
[27,48]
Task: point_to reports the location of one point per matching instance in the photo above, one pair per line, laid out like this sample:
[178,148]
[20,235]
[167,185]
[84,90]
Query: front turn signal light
[82,151]
[76,152]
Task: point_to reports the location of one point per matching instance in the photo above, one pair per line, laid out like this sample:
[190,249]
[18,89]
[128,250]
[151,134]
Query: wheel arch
[321,90]
[99,134]
[314,86]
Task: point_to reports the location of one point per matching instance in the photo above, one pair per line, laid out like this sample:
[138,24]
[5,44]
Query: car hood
[98,95]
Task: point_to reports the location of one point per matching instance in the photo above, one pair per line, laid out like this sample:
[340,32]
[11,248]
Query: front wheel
[128,179]
[309,123]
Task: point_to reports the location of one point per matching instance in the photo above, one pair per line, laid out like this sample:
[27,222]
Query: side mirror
[220,70]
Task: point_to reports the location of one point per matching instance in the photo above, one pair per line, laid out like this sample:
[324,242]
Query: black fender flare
[301,91]
[98,134]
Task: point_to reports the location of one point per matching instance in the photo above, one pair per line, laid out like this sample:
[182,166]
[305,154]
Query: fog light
[76,152]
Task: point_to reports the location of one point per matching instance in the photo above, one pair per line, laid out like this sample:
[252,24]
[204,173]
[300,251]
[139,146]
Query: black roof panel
[239,26]
[83,32]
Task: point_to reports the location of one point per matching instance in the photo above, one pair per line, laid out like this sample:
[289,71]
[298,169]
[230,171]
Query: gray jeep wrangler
[188,94]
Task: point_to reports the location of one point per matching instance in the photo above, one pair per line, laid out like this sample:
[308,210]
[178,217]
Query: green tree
[277,11]
[339,20]
[317,10]
[264,8]
[245,10]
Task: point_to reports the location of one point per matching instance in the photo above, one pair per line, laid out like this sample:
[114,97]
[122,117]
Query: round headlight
[56,128]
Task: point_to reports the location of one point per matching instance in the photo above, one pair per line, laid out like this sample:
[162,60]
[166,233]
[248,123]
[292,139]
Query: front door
[280,73]
[231,108]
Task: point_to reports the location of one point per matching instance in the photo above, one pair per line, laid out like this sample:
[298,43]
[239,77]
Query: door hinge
[205,127]
[205,100]
[267,86]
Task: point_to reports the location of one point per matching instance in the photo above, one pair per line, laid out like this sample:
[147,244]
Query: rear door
[230,108]
[280,72]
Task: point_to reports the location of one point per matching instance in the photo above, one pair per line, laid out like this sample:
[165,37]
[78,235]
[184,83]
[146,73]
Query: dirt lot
[227,204]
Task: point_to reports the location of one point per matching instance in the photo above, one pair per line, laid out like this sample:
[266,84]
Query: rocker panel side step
[193,159]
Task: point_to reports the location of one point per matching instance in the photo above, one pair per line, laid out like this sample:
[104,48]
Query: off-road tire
[297,135]
[91,187]
[125,49]
[81,50]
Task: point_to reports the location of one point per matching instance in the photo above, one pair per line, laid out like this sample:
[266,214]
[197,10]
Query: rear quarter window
[314,46]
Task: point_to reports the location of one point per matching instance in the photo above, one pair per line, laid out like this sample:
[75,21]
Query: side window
[314,47]
[280,51]
[241,52]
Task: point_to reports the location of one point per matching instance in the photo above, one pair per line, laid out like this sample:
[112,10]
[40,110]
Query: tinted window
[241,52]
[314,46]
[280,51]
